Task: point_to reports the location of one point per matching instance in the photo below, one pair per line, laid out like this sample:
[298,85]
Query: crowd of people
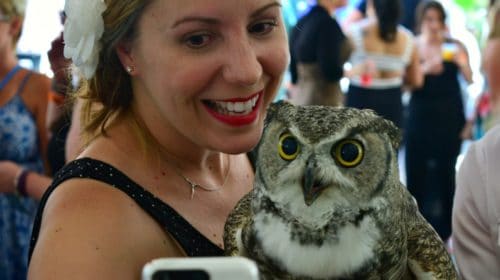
[124,155]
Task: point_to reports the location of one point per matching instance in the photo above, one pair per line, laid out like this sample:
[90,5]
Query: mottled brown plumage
[328,204]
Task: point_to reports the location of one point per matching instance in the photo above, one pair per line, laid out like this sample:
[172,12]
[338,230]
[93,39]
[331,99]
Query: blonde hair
[108,94]
[14,8]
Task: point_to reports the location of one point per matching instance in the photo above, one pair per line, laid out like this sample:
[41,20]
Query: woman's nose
[242,64]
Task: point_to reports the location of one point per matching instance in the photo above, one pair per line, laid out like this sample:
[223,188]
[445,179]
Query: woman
[476,210]
[487,112]
[477,198]
[436,118]
[383,62]
[23,138]
[318,50]
[182,88]
[490,56]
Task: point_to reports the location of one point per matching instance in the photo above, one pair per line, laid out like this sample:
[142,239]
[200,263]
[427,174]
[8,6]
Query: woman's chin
[241,145]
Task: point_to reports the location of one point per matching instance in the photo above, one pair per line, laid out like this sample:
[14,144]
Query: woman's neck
[185,155]
[433,39]
[8,61]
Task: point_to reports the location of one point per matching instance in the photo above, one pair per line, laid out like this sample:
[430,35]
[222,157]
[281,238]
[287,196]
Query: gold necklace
[195,185]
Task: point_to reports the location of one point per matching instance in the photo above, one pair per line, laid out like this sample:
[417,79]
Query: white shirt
[476,210]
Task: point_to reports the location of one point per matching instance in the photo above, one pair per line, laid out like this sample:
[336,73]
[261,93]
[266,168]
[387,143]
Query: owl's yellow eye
[288,147]
[349,152]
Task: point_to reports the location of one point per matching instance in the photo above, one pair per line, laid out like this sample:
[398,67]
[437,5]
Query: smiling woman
[184,101]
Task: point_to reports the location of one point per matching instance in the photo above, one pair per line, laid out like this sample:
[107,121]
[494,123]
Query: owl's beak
[311,187]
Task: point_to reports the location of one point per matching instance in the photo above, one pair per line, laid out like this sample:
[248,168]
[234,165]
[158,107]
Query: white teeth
[232,108]
[248,105]
[238,107]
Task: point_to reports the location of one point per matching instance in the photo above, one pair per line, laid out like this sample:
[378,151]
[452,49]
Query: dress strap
[9,76]
[23,83]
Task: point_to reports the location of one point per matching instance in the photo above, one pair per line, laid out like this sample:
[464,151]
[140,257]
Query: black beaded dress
[191,240]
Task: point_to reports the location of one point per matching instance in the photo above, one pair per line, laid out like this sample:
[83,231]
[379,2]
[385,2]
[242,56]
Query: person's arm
[414,76]
[462,60]
[31,184]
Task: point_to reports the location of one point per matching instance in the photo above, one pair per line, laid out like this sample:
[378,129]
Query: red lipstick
[236,119]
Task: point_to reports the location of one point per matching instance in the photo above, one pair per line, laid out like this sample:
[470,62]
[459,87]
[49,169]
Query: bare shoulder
[38,83]
[90,230]
[36,91]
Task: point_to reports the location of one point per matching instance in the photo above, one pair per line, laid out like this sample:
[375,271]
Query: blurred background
[42,25]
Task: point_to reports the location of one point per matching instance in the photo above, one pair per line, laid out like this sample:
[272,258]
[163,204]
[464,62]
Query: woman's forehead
[174,10]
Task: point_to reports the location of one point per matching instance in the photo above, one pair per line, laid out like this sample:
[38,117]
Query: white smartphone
[205,268]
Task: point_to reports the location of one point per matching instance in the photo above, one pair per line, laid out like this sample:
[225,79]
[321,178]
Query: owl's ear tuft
[274,109]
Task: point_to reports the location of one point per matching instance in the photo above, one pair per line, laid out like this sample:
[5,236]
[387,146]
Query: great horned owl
[328,203]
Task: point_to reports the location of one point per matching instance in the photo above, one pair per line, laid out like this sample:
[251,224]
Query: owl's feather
[327,202]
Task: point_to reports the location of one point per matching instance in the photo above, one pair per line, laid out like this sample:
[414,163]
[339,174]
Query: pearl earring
[129,69]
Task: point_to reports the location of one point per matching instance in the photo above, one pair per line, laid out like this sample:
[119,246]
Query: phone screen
[181,275]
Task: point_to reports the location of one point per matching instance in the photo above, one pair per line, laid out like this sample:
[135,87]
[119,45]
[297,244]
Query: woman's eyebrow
[213,21]
[206,20]
[268,6]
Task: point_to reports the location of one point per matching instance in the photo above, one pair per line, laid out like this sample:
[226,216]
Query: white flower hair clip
[83,29]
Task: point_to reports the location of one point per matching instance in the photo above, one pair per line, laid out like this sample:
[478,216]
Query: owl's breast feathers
[392,250]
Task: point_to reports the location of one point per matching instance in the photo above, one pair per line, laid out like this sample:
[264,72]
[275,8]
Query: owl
[328,203]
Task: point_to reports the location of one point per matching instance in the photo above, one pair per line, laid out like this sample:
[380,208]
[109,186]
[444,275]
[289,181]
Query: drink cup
[448,51]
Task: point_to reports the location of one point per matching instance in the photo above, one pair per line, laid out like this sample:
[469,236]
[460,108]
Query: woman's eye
[198,41]
[263,28]
[348,153]
[288,147]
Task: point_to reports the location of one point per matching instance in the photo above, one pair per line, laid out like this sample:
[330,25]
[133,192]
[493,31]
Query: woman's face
[206,72]
[432,22]
[5,31]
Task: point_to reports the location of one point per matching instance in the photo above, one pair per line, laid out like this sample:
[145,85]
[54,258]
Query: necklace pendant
[192,191]
[194,185]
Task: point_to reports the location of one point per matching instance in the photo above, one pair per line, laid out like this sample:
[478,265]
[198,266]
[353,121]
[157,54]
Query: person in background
[364,8]
[166,154]
[23,142]
[60,104]
[64,144]
[58,117]
[384,61]
[436,118]
[491,52]
[318,49]
[476,210]
[487,110]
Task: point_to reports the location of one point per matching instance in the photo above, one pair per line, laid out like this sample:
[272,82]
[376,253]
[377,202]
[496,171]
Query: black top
[191,240]
[437,107]
[317,38]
